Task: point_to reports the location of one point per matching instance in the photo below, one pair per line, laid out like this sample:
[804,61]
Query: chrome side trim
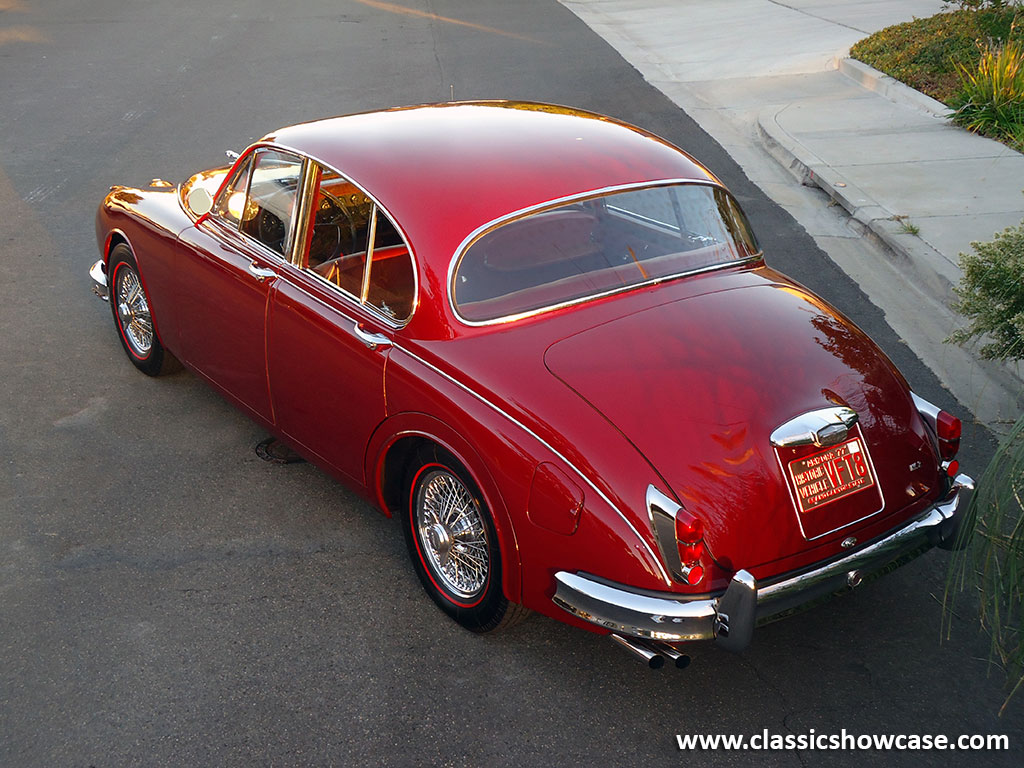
[824,427]
[730,616]
[98,273]
[662,512]
[654,558]
[460,252]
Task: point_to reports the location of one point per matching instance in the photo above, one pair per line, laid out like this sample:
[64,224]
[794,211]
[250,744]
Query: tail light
[946,426]
[690,542]
[680,538]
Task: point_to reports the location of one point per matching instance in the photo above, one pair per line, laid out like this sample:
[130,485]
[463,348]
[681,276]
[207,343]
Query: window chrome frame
[501,221]
[301,228]
[391,322]
[266,251]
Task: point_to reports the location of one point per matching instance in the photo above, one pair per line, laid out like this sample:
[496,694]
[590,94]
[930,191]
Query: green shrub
[976,5]
[991,295]
[992,564]
[925,53]
[992,95]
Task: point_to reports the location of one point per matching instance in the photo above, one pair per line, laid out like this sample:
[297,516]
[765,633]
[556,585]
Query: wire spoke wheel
[452,535]
[133,315]
[133,311]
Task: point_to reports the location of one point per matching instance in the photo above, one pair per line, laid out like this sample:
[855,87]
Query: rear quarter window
[598,245]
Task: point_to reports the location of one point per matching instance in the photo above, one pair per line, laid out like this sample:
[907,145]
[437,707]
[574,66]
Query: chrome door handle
[260,273]
[371,340]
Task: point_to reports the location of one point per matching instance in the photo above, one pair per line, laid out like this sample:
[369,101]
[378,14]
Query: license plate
[831,474]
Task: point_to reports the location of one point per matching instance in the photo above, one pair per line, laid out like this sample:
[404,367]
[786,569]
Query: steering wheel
[271,230]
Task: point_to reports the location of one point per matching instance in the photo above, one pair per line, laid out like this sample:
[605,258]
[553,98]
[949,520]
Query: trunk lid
[698,385]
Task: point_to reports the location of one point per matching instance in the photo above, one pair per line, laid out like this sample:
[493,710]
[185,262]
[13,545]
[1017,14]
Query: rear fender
[412,425]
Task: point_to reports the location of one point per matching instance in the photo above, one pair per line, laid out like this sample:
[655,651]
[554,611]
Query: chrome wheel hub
[451,532]
[133,311]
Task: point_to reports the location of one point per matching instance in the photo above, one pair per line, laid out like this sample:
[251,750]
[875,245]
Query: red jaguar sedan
[548,342]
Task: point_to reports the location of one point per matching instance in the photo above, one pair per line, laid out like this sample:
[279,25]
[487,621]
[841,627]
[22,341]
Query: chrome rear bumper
[729,617]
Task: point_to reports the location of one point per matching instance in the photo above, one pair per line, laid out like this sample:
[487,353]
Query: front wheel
[133,317]
[454,547]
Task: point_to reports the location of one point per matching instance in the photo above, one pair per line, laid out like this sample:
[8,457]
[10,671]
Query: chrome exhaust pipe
[681,660]
[653,658]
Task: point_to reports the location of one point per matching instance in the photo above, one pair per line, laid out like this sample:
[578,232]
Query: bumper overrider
[729,618]
[98,273]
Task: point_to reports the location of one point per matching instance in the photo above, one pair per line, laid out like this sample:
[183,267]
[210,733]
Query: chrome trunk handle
[824,427]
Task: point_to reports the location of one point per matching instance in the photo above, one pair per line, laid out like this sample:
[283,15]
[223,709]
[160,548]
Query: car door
[231,260]
[332,323]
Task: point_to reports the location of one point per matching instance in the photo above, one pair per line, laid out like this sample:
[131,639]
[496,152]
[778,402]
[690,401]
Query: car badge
[849,541]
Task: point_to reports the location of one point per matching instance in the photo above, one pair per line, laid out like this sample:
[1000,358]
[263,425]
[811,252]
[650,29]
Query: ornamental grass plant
[993,561]
[991,297]
[991,98]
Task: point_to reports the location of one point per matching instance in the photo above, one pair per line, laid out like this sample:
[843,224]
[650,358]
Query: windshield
[599,245]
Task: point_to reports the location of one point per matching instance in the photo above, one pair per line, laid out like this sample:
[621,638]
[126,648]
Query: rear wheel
[454,546]
[133,317]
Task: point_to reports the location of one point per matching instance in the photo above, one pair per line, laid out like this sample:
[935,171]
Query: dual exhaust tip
[652,652]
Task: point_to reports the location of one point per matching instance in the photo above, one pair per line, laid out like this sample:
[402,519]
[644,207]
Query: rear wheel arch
[400,442]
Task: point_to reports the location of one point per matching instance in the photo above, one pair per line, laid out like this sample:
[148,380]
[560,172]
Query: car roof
[445,170]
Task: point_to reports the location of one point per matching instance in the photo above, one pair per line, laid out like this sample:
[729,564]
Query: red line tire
[133,315]
[453,544]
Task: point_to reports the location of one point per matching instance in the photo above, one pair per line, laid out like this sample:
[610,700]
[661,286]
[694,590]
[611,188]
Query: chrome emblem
[915,465]
[849,541]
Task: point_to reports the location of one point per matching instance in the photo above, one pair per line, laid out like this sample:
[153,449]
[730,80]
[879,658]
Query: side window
[339,232]
[231,202]
[273,191]
[392,286]
[341,223]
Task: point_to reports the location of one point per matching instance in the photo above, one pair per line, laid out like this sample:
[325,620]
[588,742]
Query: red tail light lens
[689,530]
[690,540]
[948,428]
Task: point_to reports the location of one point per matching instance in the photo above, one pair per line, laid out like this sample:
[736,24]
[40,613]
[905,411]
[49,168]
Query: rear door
[332,322]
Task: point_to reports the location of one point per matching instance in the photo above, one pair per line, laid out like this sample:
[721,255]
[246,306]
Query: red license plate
[831,474]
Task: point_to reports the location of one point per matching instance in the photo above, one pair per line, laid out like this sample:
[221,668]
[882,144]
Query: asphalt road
[166,598]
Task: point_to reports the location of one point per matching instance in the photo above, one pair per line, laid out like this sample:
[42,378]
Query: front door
[229,266]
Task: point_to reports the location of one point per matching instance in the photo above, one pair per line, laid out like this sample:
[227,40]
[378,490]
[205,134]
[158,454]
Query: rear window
[599,245]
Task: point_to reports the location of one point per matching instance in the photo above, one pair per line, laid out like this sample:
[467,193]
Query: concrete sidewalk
[765,76]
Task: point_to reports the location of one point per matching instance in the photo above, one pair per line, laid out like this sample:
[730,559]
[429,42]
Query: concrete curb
[930,270]
[892,89]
